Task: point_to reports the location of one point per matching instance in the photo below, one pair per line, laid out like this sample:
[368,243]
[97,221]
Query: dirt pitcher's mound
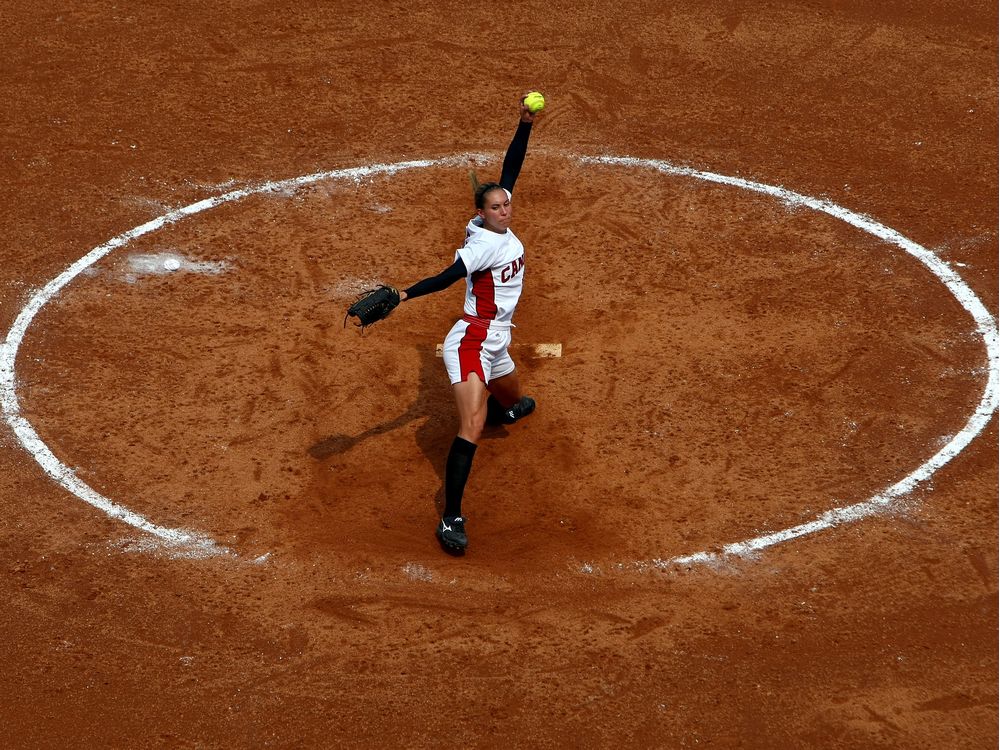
[730,364]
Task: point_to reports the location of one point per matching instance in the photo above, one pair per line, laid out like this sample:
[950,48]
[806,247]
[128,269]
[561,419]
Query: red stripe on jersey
[485,294]
[468,352]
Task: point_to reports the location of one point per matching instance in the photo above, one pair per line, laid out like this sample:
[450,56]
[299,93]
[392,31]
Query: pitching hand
[526,114]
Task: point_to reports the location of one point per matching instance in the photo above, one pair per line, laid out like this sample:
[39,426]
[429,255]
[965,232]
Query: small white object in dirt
[168,262]
[417,572]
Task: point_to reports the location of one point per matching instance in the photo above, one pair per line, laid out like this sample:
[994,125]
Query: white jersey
[495,266]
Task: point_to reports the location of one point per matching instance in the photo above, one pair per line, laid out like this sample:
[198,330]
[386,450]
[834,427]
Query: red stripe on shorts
[468,352]
[485,293]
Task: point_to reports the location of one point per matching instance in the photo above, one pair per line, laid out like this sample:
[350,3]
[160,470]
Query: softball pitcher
[480,368]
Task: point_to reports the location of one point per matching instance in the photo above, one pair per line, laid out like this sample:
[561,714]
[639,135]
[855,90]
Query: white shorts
[473,348]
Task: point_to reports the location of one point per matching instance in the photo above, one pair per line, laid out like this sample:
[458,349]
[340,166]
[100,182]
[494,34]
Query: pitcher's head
[493,207]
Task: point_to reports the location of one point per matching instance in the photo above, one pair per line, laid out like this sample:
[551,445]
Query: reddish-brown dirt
[730,366]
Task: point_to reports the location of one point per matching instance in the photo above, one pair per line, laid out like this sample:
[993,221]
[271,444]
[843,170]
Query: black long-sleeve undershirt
[443,280]
[514,157]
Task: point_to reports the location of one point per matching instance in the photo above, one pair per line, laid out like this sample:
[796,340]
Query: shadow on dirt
[433,405]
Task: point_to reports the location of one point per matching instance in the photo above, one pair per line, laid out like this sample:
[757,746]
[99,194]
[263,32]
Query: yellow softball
[535,102]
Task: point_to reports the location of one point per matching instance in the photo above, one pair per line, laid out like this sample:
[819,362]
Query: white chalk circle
[183,542]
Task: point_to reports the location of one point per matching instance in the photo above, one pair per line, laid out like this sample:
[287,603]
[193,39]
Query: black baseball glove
[373,305]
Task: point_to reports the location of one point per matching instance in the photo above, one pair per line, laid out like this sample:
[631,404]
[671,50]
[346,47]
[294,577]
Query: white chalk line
[174,541]
[189,543]
[985,327]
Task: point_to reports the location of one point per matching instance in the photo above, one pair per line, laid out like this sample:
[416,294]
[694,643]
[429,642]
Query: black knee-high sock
[456,472]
